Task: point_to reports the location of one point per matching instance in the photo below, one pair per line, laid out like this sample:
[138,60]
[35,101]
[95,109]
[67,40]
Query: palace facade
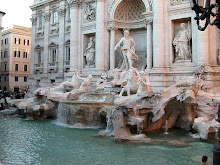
[82,34]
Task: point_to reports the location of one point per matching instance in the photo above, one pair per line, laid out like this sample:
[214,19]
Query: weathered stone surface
[205,128]
[56,96]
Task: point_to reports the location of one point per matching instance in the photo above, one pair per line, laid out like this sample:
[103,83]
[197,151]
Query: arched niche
[115,4]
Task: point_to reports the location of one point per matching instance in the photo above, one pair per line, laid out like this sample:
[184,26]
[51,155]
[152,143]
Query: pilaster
[46,40]
[61,54]
[158,34]
[33,35]
[74,37]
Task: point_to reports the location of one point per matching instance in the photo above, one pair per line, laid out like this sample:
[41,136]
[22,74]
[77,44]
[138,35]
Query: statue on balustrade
[127,50]
[90,53]
[181,43]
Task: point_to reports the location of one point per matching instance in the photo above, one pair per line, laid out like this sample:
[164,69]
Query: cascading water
[109,122]
[166,128]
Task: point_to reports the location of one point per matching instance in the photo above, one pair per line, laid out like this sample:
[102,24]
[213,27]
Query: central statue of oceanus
[127,50]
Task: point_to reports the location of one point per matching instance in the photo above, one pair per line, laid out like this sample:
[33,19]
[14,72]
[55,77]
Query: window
[1,42]
[5,66]
[0,78]
[40,21]
[4,88]
[55,17]
[25,54]
[68,53]
[16,67]
[5,78]
[16,78]
[5,54]
[53,55]
[25,79]
[69,13]
[17,40]
[6,41]
[38,57]
[1,54]
[25,68]
[17,53]
[26,42]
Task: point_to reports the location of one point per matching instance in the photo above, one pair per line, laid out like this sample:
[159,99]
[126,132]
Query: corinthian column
[158,34]
[100,35]
[112,48]
[74,37]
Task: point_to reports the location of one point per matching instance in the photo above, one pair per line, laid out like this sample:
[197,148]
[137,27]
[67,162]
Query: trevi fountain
[147,107]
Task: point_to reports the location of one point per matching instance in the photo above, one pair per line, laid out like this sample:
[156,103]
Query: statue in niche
[181,43]
[89,14]
[90,53]
[127,50]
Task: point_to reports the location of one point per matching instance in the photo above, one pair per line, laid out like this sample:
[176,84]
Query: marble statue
[132,83]
[181,43]
[68,85]
[86,83]
[144,83]
[84,87]
[116,77]
[103,79]
[90,53]
[128,51]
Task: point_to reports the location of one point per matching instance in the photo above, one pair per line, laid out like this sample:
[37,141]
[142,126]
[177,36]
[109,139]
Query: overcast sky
[18,12]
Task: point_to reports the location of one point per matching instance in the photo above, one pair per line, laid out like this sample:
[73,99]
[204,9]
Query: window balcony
[52,67]
[66,66]
[38,68]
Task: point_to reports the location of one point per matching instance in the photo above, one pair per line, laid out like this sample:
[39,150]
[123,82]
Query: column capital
[74,4]
[149,22]
[62,12]
[112,28]
[34,20]
[46,16]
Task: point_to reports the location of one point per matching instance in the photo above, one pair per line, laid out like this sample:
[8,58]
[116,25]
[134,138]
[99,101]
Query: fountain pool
[48,143]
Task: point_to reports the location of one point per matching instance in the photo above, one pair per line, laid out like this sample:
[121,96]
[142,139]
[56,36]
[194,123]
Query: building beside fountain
[81,34]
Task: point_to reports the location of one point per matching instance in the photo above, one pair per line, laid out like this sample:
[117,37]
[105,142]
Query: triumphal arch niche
[128,15]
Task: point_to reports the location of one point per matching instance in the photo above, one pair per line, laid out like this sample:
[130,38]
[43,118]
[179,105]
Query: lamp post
[206,11]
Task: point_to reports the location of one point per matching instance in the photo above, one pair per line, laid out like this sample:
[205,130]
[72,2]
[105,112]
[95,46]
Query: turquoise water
[47,143]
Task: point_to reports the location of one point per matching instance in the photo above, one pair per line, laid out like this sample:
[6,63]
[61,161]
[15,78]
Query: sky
[18,12]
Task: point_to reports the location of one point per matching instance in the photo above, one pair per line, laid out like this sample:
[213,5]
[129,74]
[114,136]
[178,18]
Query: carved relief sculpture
[89,14]
[181,43]
[127,50]
[90,53]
